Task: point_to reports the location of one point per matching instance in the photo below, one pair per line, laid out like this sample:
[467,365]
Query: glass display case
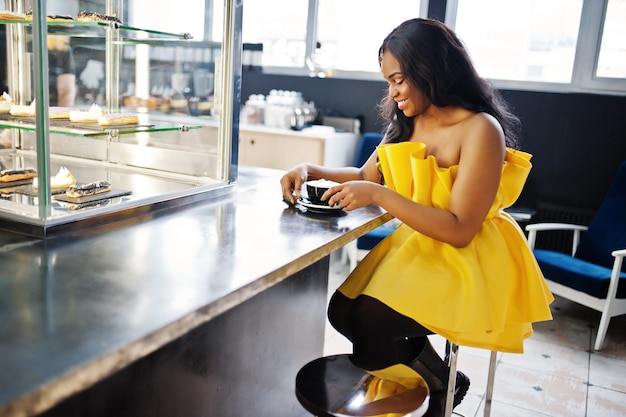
[182,97]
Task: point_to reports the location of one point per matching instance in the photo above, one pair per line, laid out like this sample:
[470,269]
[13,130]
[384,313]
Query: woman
[62,69]
[458,265]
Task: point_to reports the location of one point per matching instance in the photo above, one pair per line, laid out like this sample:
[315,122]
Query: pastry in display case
[12,176]
[139,151]
[61,181]
[6,102]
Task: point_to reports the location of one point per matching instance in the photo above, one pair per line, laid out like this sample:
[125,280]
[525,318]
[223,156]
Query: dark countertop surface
[77,307]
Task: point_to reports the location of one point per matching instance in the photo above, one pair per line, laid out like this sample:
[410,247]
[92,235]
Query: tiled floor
[557,375]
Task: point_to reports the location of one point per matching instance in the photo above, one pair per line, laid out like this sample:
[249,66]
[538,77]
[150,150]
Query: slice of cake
[112,119]
[20,110]
[63,179]
[52,17]
[7,15]
[89,116]
[6,101]
[57,112]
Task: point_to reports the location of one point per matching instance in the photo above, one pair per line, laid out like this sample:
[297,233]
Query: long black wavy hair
[434,60]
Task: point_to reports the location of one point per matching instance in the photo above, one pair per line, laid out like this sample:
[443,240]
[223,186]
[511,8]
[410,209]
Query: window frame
[585,61]
[311,41]
[588,52]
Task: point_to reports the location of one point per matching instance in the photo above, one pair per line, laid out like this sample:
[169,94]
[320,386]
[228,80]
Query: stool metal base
[452,351]
[333,387]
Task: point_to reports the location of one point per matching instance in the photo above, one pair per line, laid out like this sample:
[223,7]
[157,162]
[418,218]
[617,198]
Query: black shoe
[437,405]
[460,388]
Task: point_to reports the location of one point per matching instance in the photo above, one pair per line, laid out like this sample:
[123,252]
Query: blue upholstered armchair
[593,274]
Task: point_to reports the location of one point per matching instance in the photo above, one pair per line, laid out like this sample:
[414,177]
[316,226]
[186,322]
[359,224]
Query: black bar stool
[332,386]
[452,351]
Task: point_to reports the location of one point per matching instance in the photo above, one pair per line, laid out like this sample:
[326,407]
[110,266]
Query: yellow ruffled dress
[486,294]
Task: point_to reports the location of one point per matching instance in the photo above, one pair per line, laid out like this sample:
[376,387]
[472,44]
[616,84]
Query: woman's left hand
[351,195]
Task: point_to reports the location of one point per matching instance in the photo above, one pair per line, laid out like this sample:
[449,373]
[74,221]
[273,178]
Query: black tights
[380,336]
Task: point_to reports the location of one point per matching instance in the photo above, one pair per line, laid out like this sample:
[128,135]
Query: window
[549,45]
[349,43]
[521,40]
[323,37]
[581,50]
[143,13]
[612,57]
[281,26]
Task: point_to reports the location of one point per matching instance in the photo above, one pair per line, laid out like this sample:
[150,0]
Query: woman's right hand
[292,181]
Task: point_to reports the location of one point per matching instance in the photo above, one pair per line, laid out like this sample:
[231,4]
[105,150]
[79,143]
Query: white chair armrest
[532,230]
[555,226]
[619,253]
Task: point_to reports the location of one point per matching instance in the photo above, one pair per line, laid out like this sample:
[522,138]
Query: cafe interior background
[554,61]
[561,64]
[565,77]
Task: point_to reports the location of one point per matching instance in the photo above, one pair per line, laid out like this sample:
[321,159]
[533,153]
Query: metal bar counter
[143,312]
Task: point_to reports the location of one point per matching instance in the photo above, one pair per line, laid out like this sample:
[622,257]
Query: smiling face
[410,100]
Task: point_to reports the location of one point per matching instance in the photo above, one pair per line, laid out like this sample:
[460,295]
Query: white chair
[355,250]
[592,274]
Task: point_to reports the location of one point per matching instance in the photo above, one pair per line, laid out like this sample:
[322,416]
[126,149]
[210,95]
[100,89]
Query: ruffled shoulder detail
[408,171]
[515,171]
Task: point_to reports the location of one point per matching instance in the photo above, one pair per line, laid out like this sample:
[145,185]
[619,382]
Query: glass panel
[612,59]
[280,26]
[169,15]
[525,40]
[351,44]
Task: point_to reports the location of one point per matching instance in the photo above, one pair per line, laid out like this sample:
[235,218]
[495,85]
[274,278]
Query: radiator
[559,240]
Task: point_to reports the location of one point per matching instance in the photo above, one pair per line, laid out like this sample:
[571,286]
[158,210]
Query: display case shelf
[66,127]
[79,29]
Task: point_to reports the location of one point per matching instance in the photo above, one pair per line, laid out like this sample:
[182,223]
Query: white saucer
[318,207]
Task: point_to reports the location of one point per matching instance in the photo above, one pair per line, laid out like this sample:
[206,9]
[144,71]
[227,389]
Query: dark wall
[578,140]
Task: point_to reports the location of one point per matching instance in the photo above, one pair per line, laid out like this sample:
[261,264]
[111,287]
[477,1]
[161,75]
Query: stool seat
[332,386]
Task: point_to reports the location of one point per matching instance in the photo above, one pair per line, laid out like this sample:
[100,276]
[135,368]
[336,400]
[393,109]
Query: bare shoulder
[482,129]
[473,123]
[483,122]
[483,145]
